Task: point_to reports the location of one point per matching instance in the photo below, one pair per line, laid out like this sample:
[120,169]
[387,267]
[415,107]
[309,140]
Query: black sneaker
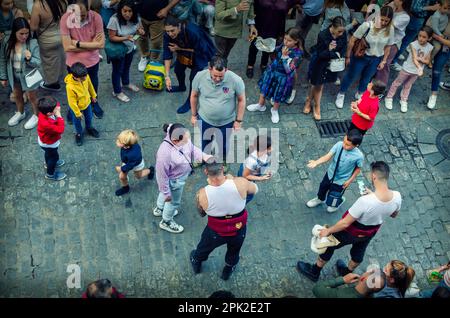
[51,87]
[196,265]
[341,268]
[93,132]
[184,108]
[98,115]
[79,139]
[227,271]
[249,72]
[123,190]
[306,269]
[151,175]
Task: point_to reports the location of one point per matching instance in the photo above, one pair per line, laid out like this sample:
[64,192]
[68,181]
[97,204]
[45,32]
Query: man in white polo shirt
[218,101]
[359,224]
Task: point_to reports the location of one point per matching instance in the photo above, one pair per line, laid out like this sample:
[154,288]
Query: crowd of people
[359,41]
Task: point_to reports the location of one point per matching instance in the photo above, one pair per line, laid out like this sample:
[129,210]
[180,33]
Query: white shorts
[139,167]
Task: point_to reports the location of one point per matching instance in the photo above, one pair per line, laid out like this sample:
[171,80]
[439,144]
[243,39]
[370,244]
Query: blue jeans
[364,69]
[438,65]
[176,191]
[121,71]
[239,174]
[224,131]
[51,159]
[411,32]
[87,113]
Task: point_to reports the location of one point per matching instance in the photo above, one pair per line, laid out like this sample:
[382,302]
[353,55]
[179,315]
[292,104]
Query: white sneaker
[401,57]
[275,117]
[445,85]
[388,103]
[331,209]
[397,67]
[212,32]
[358,95]
[255,107]
[158,212]
[142,64]
[340,100]
[337,82]
[291,98]
[14,120]
[122,97]
[403,106]
[272,102]
[432,102]
[31,123]
[171,226]
[314,202]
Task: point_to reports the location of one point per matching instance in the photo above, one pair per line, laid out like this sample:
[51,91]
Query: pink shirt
[86,33]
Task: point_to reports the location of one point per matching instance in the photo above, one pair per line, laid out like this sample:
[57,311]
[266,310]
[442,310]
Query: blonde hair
[402,274]
[128,137]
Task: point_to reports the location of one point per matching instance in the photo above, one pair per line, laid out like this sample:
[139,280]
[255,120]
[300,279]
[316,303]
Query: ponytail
[402,275]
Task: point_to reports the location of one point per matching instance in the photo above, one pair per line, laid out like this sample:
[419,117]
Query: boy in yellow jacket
[80,95]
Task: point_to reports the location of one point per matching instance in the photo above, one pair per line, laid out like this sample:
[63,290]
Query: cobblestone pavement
[45,226]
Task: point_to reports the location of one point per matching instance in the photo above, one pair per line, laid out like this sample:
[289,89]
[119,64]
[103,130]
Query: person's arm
[314,163]
[35,60]
[164,12]
[435,23]
[91,89]
[341,225]
[414,56]
[35,16]
[162,168]
[290,64]
[247,175]
[200,199]
[441,39]
[387,51]
[429,8]
[73,102]
[252,188]
[426,59]
[222,14]
[113,37]
[352,178]
[18,13]
[328,288]
[239,111]
[194,110]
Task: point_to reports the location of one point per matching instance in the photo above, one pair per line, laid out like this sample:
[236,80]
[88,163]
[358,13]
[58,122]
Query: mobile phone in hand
[136,37]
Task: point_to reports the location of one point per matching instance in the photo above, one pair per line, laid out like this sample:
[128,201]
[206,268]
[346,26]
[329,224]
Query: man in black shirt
[152,13]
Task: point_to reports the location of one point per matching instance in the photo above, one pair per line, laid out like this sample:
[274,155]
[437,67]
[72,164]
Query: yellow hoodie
[79,94]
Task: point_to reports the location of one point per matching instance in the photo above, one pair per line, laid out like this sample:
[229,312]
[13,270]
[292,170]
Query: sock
[123,190]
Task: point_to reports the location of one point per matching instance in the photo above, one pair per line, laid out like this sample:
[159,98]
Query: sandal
[307,107]
[122,97]
[316,115]
[132,87]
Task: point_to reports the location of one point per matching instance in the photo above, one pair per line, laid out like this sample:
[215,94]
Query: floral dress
[278,79]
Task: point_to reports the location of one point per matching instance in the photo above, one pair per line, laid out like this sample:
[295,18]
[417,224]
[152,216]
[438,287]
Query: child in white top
[438,22]
[412,68]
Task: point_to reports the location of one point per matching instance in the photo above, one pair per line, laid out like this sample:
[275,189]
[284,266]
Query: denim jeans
[121,72]
[224,131]
[413,28]
[87,113]
[51,158]
[363,68]
[239,174]
[176,191]
[211,240]
[438,65]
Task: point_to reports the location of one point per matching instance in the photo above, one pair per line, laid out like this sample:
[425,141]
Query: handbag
[337,65]
[334,198]
[33,77]
[115,50]
[187,58]
[361,45]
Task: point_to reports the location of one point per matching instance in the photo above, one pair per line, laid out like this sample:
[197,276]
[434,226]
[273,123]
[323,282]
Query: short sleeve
[391,36]
[336,147]
[358,208]
[196,82]
[63,25]
[359,33]
[240,86]
[98,23]
[113,24]
[360,161]
[250,163]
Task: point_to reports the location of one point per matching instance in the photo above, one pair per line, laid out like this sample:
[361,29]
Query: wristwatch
[239,121]
[78,44]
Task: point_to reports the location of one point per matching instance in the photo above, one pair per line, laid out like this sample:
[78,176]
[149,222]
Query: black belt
[226,217]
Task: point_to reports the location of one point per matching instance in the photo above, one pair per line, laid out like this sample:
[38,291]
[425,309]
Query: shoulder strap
[337,164]
[181,152]
[368,30]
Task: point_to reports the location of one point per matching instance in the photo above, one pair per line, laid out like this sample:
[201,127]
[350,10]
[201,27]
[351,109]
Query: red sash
[227,226]
[357,229]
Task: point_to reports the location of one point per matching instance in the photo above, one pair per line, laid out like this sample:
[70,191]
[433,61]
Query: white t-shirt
[257,166]
[400,21]
[376,40]
[421,51]
[369,210]
[124,30]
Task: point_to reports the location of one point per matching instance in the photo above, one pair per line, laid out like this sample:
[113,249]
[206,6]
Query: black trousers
[326,186]
[51,158]
[359,245]
[252,53]
[211,240]
[353,126]
[224,45]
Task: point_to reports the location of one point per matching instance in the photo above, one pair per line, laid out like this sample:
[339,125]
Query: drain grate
[443,143]
[328,129]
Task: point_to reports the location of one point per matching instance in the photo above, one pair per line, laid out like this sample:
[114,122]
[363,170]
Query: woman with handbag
[194,50]
[122,29]
[19,59]
[44,22]
[369,49]
[330,48]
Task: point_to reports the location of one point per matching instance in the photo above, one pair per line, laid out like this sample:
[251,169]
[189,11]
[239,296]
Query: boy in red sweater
[50,128]
[366,108]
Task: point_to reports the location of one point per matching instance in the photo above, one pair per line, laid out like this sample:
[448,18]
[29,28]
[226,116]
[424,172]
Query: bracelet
[239,121]
[195,115]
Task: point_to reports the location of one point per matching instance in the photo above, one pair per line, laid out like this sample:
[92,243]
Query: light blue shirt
[347,164]
[313,7]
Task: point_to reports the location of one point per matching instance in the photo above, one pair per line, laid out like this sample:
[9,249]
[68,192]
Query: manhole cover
[443,142]
[329,129]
